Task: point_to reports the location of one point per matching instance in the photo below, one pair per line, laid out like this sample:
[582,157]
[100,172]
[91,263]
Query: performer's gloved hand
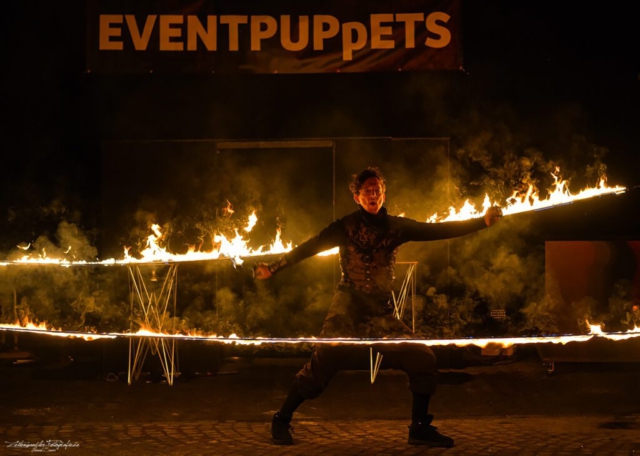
[261,271]
[264,271]
[493,215]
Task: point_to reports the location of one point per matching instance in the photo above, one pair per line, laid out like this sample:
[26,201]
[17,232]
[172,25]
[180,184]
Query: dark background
[560,77]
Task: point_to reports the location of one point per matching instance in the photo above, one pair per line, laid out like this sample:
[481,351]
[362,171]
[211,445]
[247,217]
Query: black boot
[422,433]
[281,430]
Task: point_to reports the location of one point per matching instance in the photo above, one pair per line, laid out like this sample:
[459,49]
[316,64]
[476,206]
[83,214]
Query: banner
[279,36]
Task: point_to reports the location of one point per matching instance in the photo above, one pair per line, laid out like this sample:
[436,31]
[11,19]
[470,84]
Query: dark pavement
[508,405]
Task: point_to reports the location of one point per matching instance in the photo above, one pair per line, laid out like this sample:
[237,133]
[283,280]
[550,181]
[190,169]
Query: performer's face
[371,196]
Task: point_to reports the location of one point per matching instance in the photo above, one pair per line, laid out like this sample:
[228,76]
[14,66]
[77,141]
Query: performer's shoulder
[349,217]
[400,220]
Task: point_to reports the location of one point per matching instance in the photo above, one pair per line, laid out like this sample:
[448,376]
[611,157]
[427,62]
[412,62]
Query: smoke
[78,298]
[225,301]
[72,298]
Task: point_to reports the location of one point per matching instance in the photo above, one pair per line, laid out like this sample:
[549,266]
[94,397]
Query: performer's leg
[420,407]
[309,383]
[292,402]
[419,362]
[314,376]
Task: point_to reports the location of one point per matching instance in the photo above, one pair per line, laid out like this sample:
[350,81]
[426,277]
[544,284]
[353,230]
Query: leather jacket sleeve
[412,230]
[330,237]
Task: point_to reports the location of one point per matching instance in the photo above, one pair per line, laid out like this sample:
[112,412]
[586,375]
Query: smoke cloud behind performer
[368,240]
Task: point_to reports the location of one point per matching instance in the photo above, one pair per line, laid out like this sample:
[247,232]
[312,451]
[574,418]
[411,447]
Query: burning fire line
[529,201]
[237,247]
[42,329]
[505,342]
[233,249]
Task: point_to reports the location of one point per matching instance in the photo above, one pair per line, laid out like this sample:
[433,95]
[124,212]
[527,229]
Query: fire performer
[368,240]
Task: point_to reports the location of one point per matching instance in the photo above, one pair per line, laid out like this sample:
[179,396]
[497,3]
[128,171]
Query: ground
[509,405]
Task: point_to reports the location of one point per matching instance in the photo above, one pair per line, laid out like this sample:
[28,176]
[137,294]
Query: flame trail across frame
[504,342]
[529,202]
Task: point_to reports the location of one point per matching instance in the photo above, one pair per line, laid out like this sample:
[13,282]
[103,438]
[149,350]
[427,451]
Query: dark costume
[361,306]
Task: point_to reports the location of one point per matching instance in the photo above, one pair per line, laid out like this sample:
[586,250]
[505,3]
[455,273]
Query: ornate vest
[367,260]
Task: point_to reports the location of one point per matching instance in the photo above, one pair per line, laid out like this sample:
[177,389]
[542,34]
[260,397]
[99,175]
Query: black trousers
[351,315]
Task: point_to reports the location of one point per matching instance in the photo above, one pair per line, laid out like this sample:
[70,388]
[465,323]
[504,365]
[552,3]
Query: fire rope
[504,342]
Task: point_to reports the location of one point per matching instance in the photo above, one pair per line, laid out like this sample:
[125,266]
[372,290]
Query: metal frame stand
[154,302]
[406,294]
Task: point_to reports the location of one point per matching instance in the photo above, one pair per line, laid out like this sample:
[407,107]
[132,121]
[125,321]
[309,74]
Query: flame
[529,200]
[228,211]
[597,331]
[278,246]
[466,212]
[42,328]
[42,258]
[333,251]
[253,219]
[234,248]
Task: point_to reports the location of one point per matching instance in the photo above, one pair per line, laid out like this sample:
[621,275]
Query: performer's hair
[357,180]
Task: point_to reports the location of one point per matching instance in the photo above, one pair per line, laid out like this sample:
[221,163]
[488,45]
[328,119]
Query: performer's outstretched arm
[420,231]
[328,238]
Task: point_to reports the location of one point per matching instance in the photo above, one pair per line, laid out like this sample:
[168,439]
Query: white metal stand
[154,300]
[406,294]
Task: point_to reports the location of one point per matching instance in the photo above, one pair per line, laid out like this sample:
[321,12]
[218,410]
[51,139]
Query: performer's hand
[261,271]
[493,215]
